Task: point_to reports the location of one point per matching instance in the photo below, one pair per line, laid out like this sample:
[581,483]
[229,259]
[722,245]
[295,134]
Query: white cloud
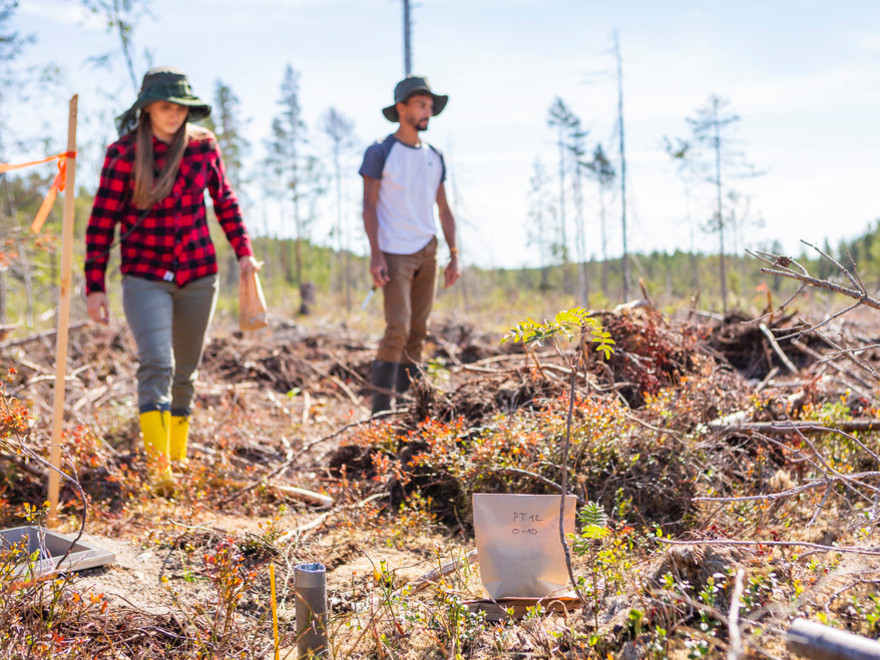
[64,13]
[795,94]
[871,42]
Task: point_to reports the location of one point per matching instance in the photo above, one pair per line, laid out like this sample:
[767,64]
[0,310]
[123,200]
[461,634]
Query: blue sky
[803,75]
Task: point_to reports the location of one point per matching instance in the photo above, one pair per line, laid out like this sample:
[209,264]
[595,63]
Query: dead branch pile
[289,372]
[682,423]
[754,352]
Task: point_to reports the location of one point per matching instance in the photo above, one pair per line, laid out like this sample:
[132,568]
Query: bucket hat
[406,88]
[163,83]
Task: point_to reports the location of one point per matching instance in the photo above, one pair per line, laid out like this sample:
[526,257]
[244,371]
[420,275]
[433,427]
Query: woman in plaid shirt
[152,185]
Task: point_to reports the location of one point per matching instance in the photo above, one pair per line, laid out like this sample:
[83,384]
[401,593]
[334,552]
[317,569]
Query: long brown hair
[146,191]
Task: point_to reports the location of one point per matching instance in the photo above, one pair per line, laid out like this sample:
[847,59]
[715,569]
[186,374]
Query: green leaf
[594,521]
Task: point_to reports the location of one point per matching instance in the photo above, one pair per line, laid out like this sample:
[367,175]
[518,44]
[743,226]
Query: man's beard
[422,125]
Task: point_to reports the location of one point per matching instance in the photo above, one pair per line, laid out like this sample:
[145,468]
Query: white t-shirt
[409,179]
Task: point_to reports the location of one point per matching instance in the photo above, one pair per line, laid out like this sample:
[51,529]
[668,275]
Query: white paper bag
[518,544]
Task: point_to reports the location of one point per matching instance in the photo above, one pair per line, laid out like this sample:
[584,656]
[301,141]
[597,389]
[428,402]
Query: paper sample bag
[518,543]
[251,303]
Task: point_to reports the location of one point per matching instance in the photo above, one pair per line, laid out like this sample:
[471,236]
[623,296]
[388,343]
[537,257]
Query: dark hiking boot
[383,380]
[407,374]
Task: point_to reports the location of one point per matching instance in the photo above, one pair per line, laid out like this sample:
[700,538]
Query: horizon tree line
[707,156]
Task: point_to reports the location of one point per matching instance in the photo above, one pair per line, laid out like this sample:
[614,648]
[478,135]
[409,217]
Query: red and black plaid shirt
[172,242]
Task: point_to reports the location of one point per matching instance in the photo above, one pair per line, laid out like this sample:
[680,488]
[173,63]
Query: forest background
[553,145]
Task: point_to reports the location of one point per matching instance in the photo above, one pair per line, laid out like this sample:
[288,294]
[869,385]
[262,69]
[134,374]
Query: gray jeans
[169,325]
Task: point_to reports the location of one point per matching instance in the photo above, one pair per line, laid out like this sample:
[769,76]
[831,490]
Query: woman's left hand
[249,265]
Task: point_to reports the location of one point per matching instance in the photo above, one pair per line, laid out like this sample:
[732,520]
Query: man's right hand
[379,270]
[99,310]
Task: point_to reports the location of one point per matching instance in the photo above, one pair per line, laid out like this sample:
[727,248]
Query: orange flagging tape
[57,184]
[8,167]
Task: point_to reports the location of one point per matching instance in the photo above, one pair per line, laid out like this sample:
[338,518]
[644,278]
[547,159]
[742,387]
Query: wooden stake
[63,315]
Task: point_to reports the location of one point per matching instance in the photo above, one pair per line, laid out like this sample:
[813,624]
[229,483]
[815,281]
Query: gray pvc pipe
[818,642]
[310,584]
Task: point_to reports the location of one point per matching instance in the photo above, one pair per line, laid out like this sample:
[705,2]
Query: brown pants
[409,296]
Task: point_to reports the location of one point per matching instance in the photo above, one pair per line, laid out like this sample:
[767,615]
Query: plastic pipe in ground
[813,640]
[310,584]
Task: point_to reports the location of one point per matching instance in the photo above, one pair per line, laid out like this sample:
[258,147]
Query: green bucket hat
[163,83]
[406,88]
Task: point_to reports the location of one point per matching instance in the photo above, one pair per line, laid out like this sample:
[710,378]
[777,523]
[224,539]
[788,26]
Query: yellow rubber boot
[179,436]
[156,429]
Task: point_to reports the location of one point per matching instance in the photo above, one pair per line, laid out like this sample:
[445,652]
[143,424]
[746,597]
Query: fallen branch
[428,579]
[827,360]
[849,355]
[7,329]
[369,420]
[847,549]
[520,356]
[307,407]
[287,464]
[347,390]
[846,425]
[317,522]
[786,493]
[777,348]
[767,379]
[40,379]
[735,420]
[423,582]
[291,491]
[43,335]
[304,494]
[536,477]
[22,464]
[483,370]
[862,297]
[735,650]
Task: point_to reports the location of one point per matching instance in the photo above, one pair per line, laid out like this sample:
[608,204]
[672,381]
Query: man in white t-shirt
[403,180]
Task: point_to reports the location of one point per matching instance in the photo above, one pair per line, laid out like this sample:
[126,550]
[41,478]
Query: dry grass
[193,578]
